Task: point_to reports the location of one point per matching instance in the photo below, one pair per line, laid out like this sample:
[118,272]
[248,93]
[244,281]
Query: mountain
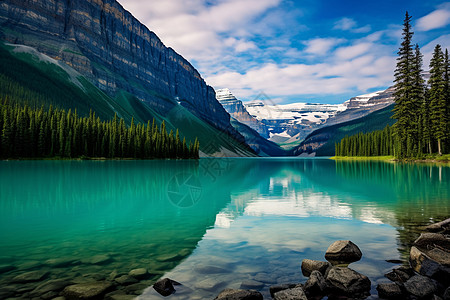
[321,142]
[109,61]
[287,125]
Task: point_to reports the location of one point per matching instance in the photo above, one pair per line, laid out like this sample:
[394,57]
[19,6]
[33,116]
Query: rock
[164,287]
[430,240]
[120,297]
[233,294]
[60,262]
[49,295]
[281,287]
[140,273]
[90,290]
[30,276]
[7,292]
[401,274]
[50,286]
[316,284]
[434,263]
[389,291]
[210,270]
[446,295]
[251,285]
[394,261]
[126,280]
[438,226]
[345,281]
[309,265]
[136,289]
[101,259]
[6,268]
[343,252]
[59,298]
[420,286]
[264,277]
[208,284]
[291,294]
[168,257]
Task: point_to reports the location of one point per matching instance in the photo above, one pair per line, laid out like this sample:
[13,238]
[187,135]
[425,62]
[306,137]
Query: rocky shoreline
[426,277]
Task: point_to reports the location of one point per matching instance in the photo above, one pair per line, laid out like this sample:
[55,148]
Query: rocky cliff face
[238,111]
[107,45]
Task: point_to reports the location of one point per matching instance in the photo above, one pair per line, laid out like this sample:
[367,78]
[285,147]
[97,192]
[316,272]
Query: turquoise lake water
[213,223]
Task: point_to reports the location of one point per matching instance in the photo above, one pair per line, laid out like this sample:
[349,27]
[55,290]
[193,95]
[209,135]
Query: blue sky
[294,51]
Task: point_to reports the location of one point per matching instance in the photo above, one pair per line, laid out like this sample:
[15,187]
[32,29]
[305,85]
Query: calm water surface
[215,223]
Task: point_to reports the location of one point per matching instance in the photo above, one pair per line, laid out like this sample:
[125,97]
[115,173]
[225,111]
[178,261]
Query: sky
[322,51]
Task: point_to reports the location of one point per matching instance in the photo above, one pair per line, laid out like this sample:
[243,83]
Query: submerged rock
[90,290]
[30,276]
[60,262]
[291,294]
[251,285]
[210,270]
[389,291]
[439,226]
[50,286]
[164,287]
[6,268]
[233,294]
[309,265]
[140,273]
[343,252]
[126,280]
[100,259]
[345,281]
[420,286]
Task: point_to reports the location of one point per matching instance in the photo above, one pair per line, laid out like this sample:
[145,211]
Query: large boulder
[348,282]
[91,290]
[389,291]
[431,240]
[433,263]
[233,294]
[420,286]
[343,252]
[291,294]
[281,287]
[316,284]
[309,265]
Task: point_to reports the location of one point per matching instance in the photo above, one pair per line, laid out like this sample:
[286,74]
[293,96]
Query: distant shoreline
[444,159]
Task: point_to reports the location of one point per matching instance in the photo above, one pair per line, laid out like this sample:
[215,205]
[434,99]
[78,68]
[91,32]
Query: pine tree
[404,80]
[438,117]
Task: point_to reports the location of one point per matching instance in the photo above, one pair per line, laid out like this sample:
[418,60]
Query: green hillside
[28,77]
[327,137]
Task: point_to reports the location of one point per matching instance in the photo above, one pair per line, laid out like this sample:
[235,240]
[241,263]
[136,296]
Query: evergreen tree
[438,117]
[404,111]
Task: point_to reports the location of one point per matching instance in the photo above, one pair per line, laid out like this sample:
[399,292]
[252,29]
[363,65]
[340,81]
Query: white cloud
[428,49]
[436,19]
[321,46]
[353,51]
[348,24]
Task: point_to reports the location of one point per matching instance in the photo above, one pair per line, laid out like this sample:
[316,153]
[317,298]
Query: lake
[213,223]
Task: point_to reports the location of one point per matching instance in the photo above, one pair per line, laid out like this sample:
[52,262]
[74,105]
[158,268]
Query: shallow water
[211,224]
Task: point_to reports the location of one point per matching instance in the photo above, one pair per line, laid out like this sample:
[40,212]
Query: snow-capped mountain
[289,124]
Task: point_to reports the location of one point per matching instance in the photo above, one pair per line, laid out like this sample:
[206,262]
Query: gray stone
[100,259]
[50,286]
[434,263]
[389,291]
[30,276]
[6,268]
[164,287]
[291,294]
[90,290]
[208,284]
[140,273]
[233,294]
[420,286]
[316,284]
[126,280]
[400,274]
[345,281]
[60,262]
[430,240]
[251,285]
[309,265]
[343,252]
[281,287]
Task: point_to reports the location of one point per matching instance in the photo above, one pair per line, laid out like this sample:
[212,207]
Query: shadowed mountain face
[114,51]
